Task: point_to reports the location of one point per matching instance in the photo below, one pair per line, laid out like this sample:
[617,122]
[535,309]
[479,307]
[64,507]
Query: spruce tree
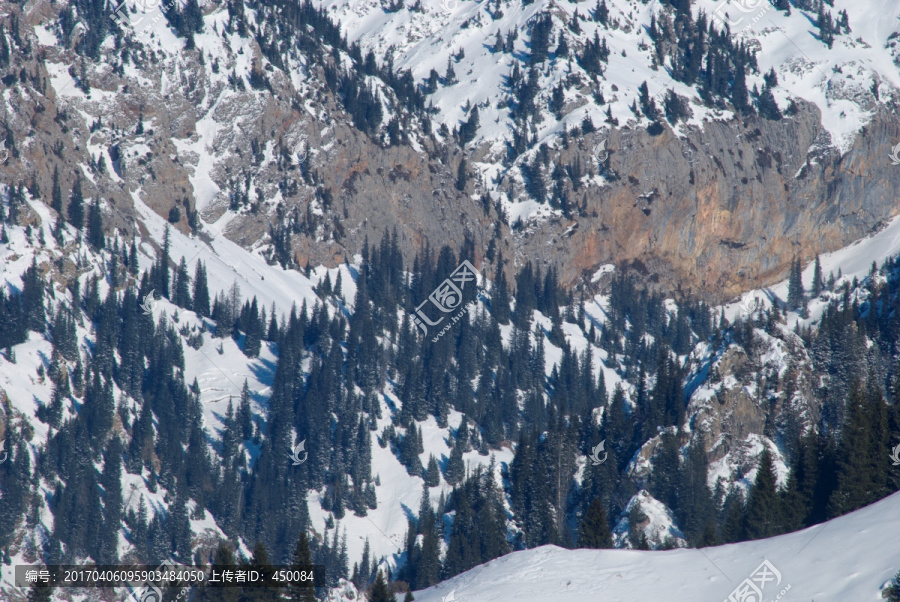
[733,519]
[892,591]
[222,558]
[182,293]
[461,176]
[739,97]
[302,559]
[500,294]
[95,226]
[112,501]
[33,298]
[763,516]
[244,414]
[201,291]
[380,591]
[857,478]
[817,284]
[455,465]
[260,561]
[595,532]
[796,298]
[432,473]
[76,205]
[56,198]
[162,267]
[40,592]
[179,526]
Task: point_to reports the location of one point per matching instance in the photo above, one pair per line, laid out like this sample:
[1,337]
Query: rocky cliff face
[727,207]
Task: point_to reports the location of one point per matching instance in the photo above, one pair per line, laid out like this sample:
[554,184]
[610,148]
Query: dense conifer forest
[335,359]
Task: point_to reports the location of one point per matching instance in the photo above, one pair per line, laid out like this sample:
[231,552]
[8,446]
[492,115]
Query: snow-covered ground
[837,80]
[848,559]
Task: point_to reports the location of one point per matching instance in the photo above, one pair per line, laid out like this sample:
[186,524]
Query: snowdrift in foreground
[847,559]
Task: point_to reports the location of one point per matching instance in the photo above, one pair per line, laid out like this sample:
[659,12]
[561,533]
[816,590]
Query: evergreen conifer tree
[95,225]
[301,559]
[733,521]
[817,284]
[40,592]
[162,267]
[763,516]
[432,473]
[201,291]
[56,198]
[380,591]
[796,298]
[461,176]
[859,481]
[260,560]
[182,296]
[595,532]
[76,205]
[892,591]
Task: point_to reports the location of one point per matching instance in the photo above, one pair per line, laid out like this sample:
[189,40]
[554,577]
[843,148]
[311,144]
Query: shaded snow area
[848,559]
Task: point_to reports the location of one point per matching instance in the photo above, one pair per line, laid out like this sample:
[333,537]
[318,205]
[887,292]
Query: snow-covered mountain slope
[221,374]
[848,559]
[221,369]
[428,34]
[290,151]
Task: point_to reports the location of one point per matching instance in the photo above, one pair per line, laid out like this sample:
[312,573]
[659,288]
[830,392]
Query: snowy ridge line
[848,558]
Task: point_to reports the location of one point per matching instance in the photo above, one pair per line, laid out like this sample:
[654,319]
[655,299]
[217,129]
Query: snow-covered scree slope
[430,34]
[848,559]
